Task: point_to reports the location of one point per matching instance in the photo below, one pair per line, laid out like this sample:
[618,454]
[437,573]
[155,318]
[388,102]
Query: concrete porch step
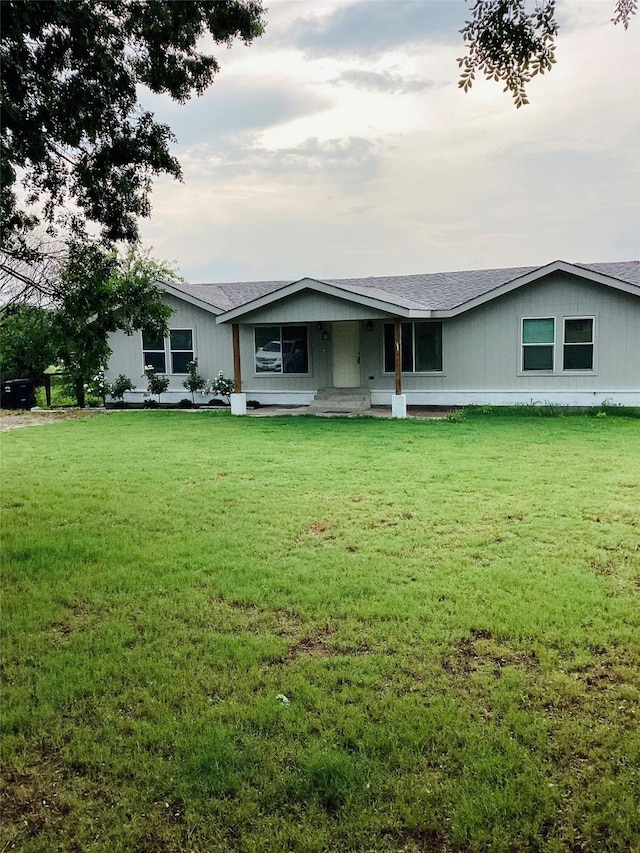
[340,401]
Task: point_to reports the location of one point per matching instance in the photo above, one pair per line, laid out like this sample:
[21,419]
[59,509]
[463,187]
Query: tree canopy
[72,126]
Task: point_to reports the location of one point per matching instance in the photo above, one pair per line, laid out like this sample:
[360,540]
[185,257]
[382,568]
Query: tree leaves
[72,128]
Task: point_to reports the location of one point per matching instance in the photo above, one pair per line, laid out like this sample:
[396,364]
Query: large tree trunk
[80,392]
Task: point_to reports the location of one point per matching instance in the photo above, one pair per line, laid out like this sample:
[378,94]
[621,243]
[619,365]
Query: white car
[269,357]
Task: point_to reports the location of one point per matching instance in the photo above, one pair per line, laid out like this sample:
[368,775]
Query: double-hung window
[538,343]
[153,352]
[421,347]
[578,343]
[179,345]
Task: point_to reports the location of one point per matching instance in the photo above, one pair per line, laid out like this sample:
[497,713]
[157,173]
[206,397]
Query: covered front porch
[330,366]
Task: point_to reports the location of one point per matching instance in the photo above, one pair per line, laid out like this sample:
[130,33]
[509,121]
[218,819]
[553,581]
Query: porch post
[398,400]
[238,399]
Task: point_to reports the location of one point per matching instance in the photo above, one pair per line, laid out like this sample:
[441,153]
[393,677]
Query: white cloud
[356,161]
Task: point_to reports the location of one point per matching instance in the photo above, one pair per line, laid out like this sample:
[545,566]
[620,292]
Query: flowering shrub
[194,382]
[119,387]
[97,385]
[156,383]
[220,387]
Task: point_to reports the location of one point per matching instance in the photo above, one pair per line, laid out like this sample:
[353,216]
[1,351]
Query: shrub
[120,386]
[194,382]
[220,387]
[156,383]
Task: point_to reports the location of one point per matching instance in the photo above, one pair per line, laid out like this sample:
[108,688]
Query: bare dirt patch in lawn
[18,418]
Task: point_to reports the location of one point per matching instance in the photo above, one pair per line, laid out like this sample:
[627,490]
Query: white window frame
[266,374]
[171,351]
[548,370]
[167,352]
[580,370]
[147,349]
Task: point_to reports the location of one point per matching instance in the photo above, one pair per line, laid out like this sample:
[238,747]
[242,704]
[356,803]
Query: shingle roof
[427,291]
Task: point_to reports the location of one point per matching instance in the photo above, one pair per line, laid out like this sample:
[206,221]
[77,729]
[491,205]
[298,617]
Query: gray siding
[481,348]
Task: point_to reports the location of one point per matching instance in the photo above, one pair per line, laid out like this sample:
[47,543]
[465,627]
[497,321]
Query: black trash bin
[17,394]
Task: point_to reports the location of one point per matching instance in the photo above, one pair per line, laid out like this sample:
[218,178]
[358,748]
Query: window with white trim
[578,343]
[421,347]
[153,352]
[281,349]
[538,343]
[181,346]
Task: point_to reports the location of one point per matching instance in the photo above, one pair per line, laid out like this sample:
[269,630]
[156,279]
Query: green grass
[450,609]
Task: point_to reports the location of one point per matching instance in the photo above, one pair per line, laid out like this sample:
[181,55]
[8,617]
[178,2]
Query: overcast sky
[339,144]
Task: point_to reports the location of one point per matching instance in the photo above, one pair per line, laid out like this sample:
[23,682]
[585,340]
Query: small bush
[120,386]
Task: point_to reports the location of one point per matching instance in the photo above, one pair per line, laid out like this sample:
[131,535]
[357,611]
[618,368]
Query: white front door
[346,354]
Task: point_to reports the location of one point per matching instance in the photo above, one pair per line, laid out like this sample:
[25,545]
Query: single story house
[564,333]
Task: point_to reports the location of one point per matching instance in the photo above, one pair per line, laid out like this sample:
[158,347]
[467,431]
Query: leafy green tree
[72,127]
[509,44]
[27,342]
[100,293]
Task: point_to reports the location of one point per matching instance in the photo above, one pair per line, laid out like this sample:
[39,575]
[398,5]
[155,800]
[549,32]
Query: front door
[346,354]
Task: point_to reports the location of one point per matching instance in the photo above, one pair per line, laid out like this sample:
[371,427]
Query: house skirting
[511,398]
[425,398]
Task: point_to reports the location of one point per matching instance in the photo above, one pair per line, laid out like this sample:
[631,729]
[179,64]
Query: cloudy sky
[339,144]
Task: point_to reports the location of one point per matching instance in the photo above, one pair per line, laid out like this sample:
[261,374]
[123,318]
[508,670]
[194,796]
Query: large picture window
[181,343]
[281,349]
[578,343]
[538,342]
[153,352]
[421,347]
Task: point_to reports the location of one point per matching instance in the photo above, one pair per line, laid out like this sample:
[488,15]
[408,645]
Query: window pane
[538,331]
[578,357]
[268,349]
[578,331]
[152,341]
[537,358]
[428,346]
[406,336]
[180,339]
[295,349]
[156,360]
[180,360]
[389,359]
[407,347]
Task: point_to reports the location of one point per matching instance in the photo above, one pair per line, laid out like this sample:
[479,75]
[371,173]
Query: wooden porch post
[397,346]
[237,375]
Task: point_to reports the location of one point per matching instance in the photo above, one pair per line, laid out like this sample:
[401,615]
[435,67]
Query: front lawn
[297,634]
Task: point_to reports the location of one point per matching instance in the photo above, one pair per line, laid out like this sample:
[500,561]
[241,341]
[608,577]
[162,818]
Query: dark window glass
[578,331]
[153,352]
[428,337]
[181,343]
[295,349]
[537,358]
[181,339]
[578,344]
[421,347]
[155,360]
[152,341]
